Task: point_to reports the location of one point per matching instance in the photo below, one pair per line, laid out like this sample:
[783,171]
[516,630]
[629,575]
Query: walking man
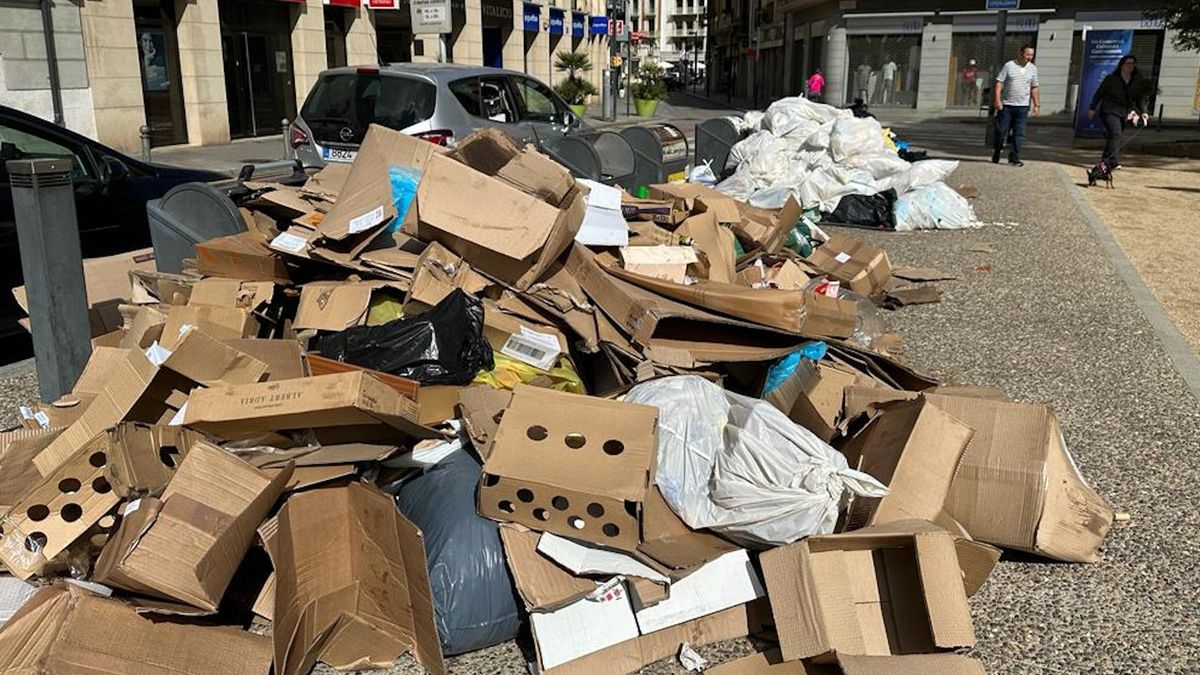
[1016,89]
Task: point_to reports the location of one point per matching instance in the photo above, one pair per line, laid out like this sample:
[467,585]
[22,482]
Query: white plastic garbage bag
[703,174]
[739,466]
[856,136]
[934,207]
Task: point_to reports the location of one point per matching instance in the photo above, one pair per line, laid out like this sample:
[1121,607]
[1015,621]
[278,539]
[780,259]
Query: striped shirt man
[1018,81]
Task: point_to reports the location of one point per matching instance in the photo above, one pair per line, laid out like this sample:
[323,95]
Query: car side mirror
[114,170]
[569,120]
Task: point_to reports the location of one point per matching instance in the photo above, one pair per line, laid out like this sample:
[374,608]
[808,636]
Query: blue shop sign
[532,16]
[599,25]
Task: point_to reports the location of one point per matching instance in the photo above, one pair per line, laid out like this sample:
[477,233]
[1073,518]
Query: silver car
[440,102]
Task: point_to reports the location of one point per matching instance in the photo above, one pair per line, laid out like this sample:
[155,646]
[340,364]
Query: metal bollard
[287,143]
[52,262]
[144,132]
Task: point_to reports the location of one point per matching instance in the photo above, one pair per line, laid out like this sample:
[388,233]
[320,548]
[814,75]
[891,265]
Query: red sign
[618,26]
[383,4]
[342,3]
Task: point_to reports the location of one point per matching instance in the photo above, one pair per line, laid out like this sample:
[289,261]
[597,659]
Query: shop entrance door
[257,49]
[162,89]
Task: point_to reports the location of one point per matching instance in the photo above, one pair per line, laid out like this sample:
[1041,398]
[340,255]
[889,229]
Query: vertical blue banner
[578,21]
[531,17]
[557,19]
[1102,49]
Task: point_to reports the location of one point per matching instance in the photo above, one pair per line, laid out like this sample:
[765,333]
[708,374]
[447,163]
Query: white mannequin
[889,78]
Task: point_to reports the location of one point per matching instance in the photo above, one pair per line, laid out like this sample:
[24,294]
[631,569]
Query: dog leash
[1136,130]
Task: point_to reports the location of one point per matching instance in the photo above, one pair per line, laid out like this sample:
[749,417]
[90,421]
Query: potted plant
[574,90]
[648,89]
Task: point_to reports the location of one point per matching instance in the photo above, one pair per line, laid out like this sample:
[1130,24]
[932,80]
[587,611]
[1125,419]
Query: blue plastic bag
[405,180]
[783,369]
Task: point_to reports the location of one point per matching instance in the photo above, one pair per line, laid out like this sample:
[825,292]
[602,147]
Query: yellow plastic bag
[509,372]
[889,140]
[385,307]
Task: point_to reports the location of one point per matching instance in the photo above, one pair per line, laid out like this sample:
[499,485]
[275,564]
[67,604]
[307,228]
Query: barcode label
[26,412]
[524,349]
[42,418]
[366,221]
[286,241]
[842,257]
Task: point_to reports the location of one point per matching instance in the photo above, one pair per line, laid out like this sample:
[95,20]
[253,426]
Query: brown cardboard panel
[58,510]
[231,293]
[210,362]
[319,365]
[498,326]
[975,559]
[766,230]
[338,305]
[715,242]
[143,457]
[859,265]
[632,655]
[340,399]
[221,323]
[542,584]
[145,326]
[65,629]
[574,465]
[505,232]
[328,182]
[872,593]
[777,308]
[646,593]
[365,200]
[352,588]
[670,542]
[134,390]
[812,397]
[240,256]
[671,332]
[883,369]
[187,545]
[914,448]
[17,470]
[438,272]
[106,281]
[1017,485]
[481,409]
[284,358]
[771,663]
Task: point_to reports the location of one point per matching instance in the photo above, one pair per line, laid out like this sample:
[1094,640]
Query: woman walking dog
[1120,99]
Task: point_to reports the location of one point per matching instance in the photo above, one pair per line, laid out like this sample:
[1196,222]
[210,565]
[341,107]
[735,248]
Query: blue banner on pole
[599,25]
[557,20]
[531,16]
[578,21]
[1102,50]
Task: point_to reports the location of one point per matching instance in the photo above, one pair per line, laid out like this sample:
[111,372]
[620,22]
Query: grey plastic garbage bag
[740,467]
[475,605]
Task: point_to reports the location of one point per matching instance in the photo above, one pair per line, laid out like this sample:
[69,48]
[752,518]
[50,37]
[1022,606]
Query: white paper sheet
[603,224]
[581,559]
[583,627]
[725,582]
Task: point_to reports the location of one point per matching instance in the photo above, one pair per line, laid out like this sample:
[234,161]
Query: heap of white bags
[820,154]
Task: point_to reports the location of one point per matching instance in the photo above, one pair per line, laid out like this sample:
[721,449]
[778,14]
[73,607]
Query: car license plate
[338,155]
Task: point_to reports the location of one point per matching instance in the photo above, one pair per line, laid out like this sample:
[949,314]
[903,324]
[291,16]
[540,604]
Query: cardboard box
[771,663]
[211,362]
[337,400]
[66,629]
[134,390]
[186,545]
[221,323]
[914,448]
[799,312]
[243,256]
[766,229]
[17,470]
[503,231]
[58,510]
[338,305]
[437,274]
[247,295]
[715,242]
[284,358]
[143,457]
[106,281]
[975,558]
[812,397]
[352,589]
[669,263]
[1016,485]
[864,268]
[573,465]
[668,541]
[672,333]
[869,593]
[365,201]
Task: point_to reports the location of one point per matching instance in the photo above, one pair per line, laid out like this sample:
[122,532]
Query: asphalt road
[1046,318]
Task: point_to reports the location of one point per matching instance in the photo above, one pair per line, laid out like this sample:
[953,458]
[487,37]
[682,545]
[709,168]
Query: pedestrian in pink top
[816,82]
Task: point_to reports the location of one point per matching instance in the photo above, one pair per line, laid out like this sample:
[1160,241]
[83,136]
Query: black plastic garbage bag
[475,605]
[876,211]
[442,346]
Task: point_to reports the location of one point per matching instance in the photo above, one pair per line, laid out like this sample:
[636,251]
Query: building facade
[934,56]
[205,72]
[671,32]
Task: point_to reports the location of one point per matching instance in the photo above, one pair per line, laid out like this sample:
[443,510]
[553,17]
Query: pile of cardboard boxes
[211,474]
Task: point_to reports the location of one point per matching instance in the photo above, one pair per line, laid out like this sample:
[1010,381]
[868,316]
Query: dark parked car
[111,191]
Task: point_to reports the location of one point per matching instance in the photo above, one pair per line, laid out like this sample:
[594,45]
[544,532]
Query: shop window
[884,69]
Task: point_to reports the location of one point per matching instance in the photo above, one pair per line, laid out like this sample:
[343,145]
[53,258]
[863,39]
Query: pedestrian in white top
[1015,91]
[889,78]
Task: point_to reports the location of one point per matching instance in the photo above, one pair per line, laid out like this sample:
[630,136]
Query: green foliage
[648,83]
[1183,16]
[572,63]
[575,91]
